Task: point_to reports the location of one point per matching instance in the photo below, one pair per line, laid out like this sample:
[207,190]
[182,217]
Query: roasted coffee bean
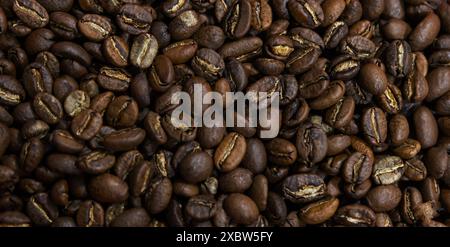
[415,170]
[108,188]
[320,211]
[425,126]
[181,51]
[408,149]
[311,143]
[116,51]
[329,97]
[158,195]
[86,124]
[96,162]
[31,13]
[281,152]
[241,209]
[384,198]
[41,209]
[395,29]
[374,125]
[94,27]
[373,79]
[76,102]
[302,188]
[90,214]
[438,82]
[436,160]
[14,219]
[230,152]
[387,170]
[134,19]
[122,112]
[357,168]
[358,47]
[196,167]
[143,51]
[425,32]
[208,64]
[114,79]
[11,91]
[355,215]
[124,139]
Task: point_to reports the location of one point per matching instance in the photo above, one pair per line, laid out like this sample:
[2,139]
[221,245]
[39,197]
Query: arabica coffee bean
[241,208]
[230,152]
[108,189]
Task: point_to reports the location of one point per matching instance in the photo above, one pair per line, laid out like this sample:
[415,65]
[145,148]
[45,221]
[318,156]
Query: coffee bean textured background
[86,137]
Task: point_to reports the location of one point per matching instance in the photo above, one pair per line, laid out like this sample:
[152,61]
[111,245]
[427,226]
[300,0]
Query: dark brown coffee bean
[11,91]
[255,158]
[398,58]
[134,19]
[281,152]
[426,127]
[355,215]
[14,219]
[31,154]
[438,82]
[320,211]
[230,152]
[358,47]
[436,160]
[90,214]
[196,167]
[181,132]
[143,51]
[374,125]
[357,168]
[410,199]
[114,79]
[181,51]
[396,29]
[236,181]
[242,49]
[237,21]
[259,191]
[184,25]
[430,189]
[116,51]
[415,170]
[384,198]
[60,193]
[307,13]
[31,13]
[37,79]
[329,97]
[94,27]
[276,210]
[373,79]
[302,188]
[86,124]
[208,64]
[158,195]
[96,162]
[388,170]
[73,51]
[41,210]
[425,32]
[108,188]
[135,217]
[122,112]
[241,209]
[311,143]
[124,139]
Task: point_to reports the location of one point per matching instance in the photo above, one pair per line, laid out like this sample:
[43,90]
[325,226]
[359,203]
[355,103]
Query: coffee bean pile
[86,137]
